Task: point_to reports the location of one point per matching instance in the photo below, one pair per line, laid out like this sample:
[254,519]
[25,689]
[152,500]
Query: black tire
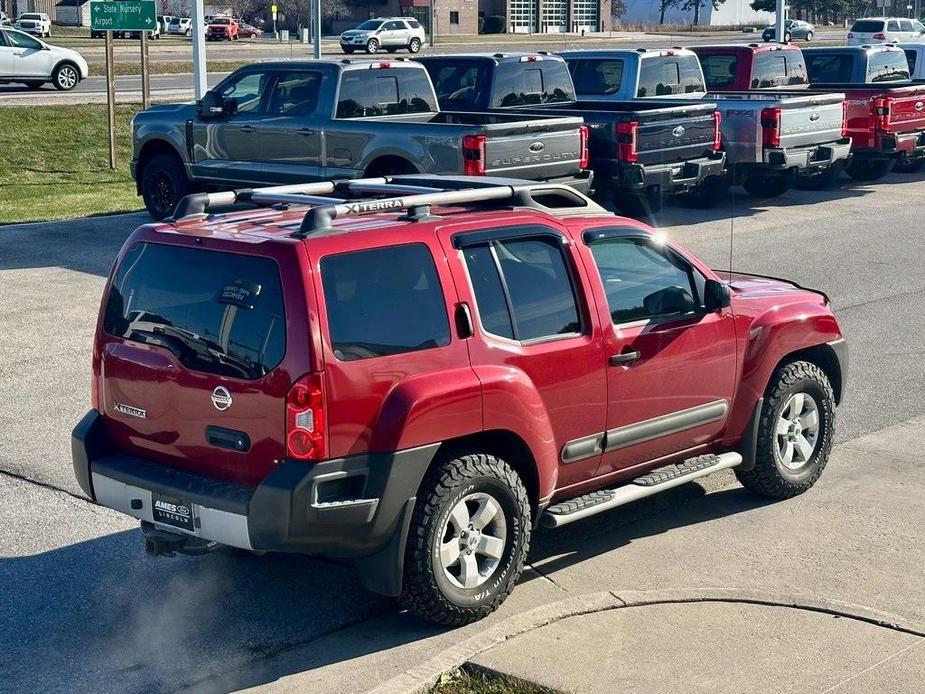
[821,180]
[415,45]
[34,84]
[809,36]
[391,50]
[428,590]
[163,184]
[912,166]
[710,193]
[65,77]
[787,37]
[771,477]
[869,169]
[640,205]
[348,51]
[372,46]
[768,186]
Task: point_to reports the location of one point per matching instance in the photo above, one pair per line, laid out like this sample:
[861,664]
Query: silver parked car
[391,34]
[793,29]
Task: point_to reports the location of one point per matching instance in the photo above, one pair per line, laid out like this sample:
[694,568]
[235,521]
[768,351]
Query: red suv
[415,372]
[222,29]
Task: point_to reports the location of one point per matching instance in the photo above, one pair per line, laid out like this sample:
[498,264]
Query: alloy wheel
[473,540]
[797,431]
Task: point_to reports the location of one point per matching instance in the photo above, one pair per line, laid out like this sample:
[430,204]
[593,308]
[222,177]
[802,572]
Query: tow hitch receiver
[164,543]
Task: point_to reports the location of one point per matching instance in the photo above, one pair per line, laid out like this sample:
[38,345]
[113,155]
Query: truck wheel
[869,169]
[911,166]
[415,45]
[163,183]
[469,536]
[641,204]
[768,186]
[821,180]
[710,193]
[372,46]
[794,433]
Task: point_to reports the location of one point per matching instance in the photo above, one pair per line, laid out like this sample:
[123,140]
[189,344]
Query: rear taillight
[770,127]
[882,107]
[627,136]
[880,36]
[583,135]
[717,134]
[305,419]
[844,119]
[473,149]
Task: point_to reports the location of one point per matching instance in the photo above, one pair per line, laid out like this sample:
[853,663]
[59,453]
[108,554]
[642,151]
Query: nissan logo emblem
[221,398]
[919,105]
[678,131]
[537,147]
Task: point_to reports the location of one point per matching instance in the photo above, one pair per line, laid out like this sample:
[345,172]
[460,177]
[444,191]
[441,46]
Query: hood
[758,286]
[173,112]
[358,32]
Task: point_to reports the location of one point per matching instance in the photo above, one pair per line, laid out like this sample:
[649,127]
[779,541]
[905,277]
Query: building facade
[551,16]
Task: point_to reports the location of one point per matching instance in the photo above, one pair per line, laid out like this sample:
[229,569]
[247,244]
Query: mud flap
[748,448]
[382,572]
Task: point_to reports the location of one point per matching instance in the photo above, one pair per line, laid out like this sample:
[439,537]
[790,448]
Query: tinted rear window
[598,77]
[665,75]
[384,301]
[867,26]
[384,92]
[219,313]
[829,69]
[769,70]
[719,71]
[460,82]
[911,57]
[887,66]
[525,84]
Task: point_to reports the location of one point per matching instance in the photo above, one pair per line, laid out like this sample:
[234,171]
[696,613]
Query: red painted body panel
[746,60]
[867,130]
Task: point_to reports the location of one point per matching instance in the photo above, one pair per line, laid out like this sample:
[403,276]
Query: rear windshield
[719,71]
[887,66]
[867,26]
[384,92]
[459,82]
[829,69]
[597,76]
[219,313]
[666,75]
[527,84]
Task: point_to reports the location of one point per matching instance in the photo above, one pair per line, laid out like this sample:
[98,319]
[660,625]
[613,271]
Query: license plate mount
[173,511]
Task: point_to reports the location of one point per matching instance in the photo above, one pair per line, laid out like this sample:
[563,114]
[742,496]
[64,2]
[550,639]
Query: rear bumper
[675,177]
[811,157]
[909,145]
[350,508]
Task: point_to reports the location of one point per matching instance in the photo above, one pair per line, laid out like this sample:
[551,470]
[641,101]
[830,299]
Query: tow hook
[164,543]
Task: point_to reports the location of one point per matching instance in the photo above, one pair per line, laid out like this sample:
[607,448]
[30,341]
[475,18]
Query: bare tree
[695,5]
[663,6]
[299,12]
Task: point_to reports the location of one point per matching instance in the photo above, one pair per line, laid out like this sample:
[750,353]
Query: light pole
[432,21]
[779,22]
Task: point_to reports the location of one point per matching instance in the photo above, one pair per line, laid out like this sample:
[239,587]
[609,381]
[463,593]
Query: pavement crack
[875,665]
[46,485]
[547,577]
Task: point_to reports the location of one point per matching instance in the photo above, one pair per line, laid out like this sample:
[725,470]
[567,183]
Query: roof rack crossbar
[261,198]
[362,186]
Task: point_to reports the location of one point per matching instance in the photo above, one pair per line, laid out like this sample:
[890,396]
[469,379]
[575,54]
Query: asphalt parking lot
[84,609]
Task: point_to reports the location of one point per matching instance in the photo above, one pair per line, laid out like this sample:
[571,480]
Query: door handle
[623,358]
[305,131]
[247,129]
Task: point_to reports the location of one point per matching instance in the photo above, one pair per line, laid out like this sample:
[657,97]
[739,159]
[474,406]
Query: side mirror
[213,105]
[669,301]
[715,296]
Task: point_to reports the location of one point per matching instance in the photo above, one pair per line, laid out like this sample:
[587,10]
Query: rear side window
[663,76]
[598,77]
[867,26]
[892,25]
[295,94]
[384,301]
[220,313]
[911,57]
[829,69]
[887,66]
[719,71]
[523,289]
[543,82]
[365,93]
[796,68]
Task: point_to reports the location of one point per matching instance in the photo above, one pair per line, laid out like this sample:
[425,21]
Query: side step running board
[654,482]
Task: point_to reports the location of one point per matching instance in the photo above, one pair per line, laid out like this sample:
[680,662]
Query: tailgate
[810,122]
[534,155]
[671,137]
[905,113]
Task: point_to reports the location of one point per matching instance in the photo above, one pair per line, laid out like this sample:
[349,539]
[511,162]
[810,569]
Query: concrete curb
[425,676]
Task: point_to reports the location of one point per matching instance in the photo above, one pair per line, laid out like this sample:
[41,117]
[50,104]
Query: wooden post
[111,100]
[145,84]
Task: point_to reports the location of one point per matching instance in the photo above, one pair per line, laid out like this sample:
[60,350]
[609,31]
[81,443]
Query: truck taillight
[627,136]
[584,134]
[717,133]
[305,438]
[880,36]
[882,107]
[770,127]
[473,149]
[844,119]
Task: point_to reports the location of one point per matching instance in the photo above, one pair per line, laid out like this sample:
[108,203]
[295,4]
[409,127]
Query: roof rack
[414,193]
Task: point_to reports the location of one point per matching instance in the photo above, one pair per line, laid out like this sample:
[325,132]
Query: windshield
[31,16]
[370,25]
[221,21]
[219,313]
[666,75]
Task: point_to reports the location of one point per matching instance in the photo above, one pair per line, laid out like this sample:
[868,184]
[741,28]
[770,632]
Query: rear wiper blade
[203,347]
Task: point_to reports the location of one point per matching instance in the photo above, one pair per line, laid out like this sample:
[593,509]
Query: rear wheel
[469,537]
[415,45]
[710,193]
[821,180]
[65,77]
[911,166]
[794,433]
[346,50]
[768,186]
[163,183]
[372,46]
[869,169]
[809,36]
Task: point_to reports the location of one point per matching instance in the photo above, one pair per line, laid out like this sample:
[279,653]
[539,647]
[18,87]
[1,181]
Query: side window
[295,94]
[363,93]
[522,287]
[642,281]
[719,70]
[905,24]
[456,84]
[248,90]
[393,26]
[911,56]
[796,68]
[597,77]
[384,301]
[892,25]
[2,38]
[769,70]
[17,40]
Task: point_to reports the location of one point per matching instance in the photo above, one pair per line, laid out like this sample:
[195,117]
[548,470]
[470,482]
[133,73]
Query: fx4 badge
[130,411]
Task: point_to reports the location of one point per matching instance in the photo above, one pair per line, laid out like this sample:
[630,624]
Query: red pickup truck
[885,113]
[414,372]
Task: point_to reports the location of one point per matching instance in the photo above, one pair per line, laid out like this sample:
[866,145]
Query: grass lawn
[166,67]
[478,682]
[54,163]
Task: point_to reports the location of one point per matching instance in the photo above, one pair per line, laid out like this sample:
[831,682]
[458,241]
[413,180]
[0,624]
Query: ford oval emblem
[537,147]
[814,116]
[677,132]
[221,398]
[919,105]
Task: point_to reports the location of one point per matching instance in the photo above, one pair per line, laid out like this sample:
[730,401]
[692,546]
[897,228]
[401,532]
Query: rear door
[195,367]
[392,34]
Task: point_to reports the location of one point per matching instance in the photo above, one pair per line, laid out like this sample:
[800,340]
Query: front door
[672,365]
[29,56]
[6,56]
[290,134]
[227,148]
[534,335]
[393,34]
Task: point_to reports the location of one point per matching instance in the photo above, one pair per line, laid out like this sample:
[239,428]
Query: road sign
[123,15]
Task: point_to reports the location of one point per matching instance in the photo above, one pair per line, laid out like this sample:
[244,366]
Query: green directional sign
[123,15]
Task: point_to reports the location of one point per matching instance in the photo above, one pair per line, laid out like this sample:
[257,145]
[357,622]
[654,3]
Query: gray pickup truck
[771,139]
[289,122]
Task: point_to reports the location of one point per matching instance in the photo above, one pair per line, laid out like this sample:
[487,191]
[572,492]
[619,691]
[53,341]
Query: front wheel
[415,45]
[820,180]
[65,77]
[787,37]
[163,183]
[469,537]
[372,46]
[795,432]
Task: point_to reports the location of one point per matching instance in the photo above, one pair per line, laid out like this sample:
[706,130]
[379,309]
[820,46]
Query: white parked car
[873,30]
[36,23]
[32,62]
[180,25]
[5,19]
[391,34]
